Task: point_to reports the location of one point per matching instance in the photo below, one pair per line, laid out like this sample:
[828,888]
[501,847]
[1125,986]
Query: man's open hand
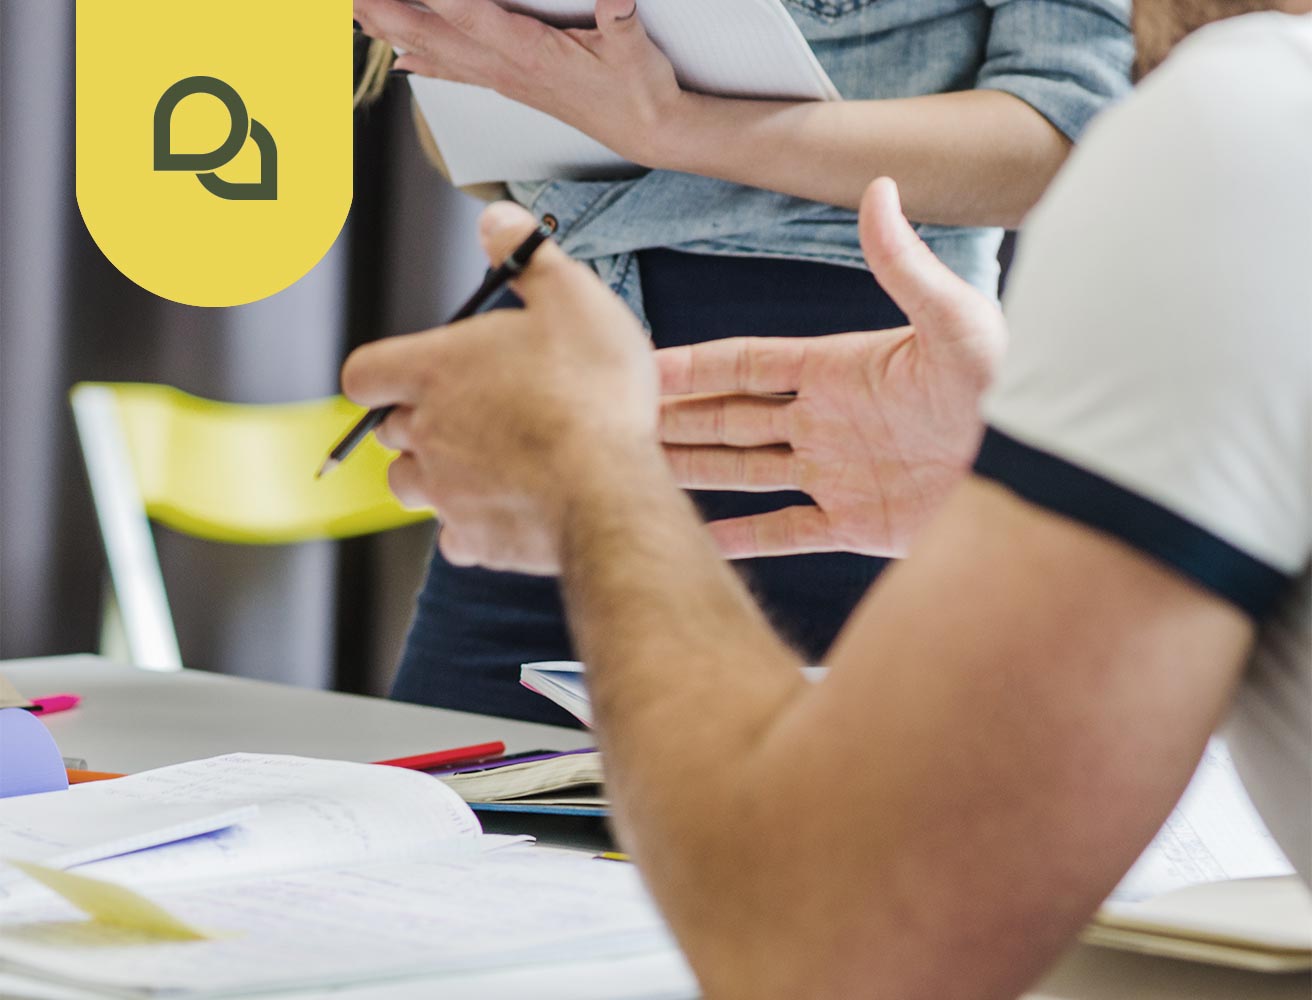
[497,418]
[875,427]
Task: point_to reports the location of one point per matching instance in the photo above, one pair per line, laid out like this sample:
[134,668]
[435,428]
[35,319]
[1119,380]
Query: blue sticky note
[29,760]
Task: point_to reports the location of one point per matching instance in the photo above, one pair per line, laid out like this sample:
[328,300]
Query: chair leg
[138,585]
[113,638]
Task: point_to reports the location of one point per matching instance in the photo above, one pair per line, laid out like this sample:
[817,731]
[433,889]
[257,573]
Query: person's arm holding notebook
[979,156]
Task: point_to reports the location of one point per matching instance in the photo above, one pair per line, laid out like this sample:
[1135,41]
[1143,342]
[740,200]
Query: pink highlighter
[55,703]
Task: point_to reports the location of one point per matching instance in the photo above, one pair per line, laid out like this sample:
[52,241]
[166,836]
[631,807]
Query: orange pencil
[78,777]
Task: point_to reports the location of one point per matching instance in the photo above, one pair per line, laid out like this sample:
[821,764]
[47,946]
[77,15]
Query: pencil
[496,280]
[448,758]
[78,776]
[420,762]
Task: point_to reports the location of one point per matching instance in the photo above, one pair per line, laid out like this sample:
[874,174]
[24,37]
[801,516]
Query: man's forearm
[685,676]
[977,157]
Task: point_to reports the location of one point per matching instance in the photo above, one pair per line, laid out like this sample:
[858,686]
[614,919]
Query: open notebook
[739,48]
[320,873]
[1212,887]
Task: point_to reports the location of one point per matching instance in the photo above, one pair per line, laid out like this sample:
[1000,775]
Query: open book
[319,873]
[1212,887]
[739,48]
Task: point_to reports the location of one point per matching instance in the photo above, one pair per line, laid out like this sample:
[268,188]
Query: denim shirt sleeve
[1068,59]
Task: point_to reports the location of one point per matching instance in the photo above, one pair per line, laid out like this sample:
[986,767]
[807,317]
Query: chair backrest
[221,471]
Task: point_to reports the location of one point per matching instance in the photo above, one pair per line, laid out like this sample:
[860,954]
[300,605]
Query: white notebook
[337,873]
[1213,886]
[733,48]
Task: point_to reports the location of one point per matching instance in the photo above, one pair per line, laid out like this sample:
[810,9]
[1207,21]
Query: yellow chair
[221,471]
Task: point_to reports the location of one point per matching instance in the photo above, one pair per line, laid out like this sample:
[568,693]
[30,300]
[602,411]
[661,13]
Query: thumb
[618,20]
[503,226]
[940,305]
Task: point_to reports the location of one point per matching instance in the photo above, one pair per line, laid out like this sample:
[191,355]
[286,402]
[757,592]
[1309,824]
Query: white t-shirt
[1159,380]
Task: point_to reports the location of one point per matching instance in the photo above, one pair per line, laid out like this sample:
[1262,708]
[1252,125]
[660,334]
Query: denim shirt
[1066,58]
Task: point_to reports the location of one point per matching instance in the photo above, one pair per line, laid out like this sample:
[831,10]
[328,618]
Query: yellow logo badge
[214,141]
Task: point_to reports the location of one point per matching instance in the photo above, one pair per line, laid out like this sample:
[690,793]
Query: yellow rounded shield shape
[214,141]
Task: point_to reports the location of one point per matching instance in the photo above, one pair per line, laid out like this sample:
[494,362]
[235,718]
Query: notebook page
[311,813]
[1213,834]
[742,48]
[86,822]
[486,137]
[748,48]
[1272,913]
[521,905]
[738,48]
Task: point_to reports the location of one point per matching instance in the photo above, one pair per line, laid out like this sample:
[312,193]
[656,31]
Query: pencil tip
[328,465]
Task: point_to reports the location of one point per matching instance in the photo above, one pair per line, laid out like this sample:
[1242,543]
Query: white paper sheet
[311,814]
[92,821]
[1214,833]
[521,905]
[738,48]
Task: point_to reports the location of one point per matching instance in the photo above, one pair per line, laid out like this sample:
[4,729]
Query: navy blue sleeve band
[1067,489]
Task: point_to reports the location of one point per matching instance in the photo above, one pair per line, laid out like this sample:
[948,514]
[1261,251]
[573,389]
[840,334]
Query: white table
[131,720]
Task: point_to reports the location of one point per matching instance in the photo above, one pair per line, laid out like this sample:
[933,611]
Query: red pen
[420,762]
[54,703]
[447,758]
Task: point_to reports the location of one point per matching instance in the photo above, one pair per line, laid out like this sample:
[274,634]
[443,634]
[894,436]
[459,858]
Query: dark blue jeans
[473,628]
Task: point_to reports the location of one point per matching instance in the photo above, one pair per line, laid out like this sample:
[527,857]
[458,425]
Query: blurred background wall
[324,614]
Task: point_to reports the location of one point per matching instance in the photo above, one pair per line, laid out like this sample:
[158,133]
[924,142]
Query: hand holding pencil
[495,281]
[500,420]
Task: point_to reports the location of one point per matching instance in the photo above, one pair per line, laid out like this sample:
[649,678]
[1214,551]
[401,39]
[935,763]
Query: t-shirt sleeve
[1068,59]
[1158,385]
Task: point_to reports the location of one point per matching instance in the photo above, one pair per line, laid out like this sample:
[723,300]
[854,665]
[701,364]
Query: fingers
[618,18]
[738,421]
[502,227]
[481,19]
[739,364]
[470,41]
[621,29]
[451,543]
[500,30]
[404,479]
[410,29]
[747,470]
[935,300]
[788,532]
[385,372]
[395,431]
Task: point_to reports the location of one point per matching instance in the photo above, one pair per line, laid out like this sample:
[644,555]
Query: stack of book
[564,783]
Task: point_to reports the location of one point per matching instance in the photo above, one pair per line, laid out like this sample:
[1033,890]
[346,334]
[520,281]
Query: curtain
[322,614]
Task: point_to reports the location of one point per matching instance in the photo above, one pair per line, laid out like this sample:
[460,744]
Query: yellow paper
[9,695]
[111,904]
